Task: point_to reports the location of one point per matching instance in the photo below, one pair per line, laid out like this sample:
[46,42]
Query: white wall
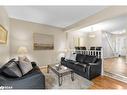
[85,40]
[22,35]
[4,48]
[94,41]
[98,40]
[74,37]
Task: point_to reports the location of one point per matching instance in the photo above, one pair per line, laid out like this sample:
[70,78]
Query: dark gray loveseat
[34,79]
[86,66]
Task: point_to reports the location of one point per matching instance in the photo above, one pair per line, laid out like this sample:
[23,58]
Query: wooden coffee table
[60,72]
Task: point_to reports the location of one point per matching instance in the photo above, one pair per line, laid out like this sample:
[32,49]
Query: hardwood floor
[116,65]
[104,82]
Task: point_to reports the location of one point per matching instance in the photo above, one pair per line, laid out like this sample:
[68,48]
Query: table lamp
[22,51]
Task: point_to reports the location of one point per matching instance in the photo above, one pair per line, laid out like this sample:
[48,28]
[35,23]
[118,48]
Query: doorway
[114,48]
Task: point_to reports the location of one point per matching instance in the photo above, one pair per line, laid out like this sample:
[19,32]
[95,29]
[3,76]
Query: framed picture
[43,41]
[3,35]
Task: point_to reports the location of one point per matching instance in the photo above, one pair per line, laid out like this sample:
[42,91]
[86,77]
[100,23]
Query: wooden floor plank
[104,82]
[116,65]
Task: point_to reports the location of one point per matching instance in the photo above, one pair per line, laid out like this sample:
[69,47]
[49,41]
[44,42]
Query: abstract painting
[43,41]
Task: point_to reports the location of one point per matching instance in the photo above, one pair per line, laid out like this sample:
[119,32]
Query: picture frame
[43,41]
[3,35]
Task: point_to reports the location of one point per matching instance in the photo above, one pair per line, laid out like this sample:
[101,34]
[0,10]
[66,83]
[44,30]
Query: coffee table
[60,72]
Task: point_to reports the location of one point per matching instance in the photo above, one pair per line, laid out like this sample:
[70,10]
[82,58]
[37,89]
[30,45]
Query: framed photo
[43,41]
[3,35]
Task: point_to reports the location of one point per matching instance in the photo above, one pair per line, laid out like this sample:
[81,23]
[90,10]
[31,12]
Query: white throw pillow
[73,57]
[67,57]
[70,56]
[25,65]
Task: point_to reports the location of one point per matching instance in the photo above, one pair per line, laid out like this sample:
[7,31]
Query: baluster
[98,54]
[91,52]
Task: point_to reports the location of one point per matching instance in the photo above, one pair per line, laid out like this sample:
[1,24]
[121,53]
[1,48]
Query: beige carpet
[78,83]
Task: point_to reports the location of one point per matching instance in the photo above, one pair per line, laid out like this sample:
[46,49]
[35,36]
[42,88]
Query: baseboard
[110,57]
[43,67]
[116,76]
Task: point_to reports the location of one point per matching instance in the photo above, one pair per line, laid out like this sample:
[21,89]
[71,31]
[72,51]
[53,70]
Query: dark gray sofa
[86,66]
[34,79]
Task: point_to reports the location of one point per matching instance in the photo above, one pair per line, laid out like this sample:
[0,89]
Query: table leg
[48,69]
[60,80]
[72,76]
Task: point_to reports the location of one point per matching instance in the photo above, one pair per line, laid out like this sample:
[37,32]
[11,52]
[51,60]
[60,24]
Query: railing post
[102,58]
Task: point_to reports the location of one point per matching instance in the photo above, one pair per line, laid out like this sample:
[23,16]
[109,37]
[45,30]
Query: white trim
[116,76]
[102,58]
[42,67]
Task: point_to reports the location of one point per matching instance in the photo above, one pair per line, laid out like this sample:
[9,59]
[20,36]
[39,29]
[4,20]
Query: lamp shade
[22,50]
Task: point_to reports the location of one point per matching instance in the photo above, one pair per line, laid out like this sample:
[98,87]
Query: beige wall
[22,35]
[4,48]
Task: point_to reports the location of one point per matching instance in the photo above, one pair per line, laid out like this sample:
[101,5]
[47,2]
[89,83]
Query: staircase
[109,42]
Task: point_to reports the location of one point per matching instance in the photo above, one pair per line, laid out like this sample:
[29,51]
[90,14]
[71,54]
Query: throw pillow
[73,57]
[25,65]
[11,69]
[67,57]
[70,56]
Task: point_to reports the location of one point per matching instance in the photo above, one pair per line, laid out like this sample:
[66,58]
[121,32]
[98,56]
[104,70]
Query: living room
[45,34]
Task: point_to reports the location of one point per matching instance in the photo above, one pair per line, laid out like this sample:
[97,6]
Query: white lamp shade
[22,50]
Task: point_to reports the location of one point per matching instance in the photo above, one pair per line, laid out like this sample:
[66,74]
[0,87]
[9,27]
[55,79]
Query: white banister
[97,53]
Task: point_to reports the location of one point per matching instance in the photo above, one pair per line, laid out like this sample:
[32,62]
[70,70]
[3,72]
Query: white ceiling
[59,16]
[116,24]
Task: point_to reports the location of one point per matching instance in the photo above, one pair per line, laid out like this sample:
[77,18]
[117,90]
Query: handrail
[110,45]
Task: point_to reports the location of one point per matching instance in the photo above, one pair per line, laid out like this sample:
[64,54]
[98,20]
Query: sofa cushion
[80,68]
[80,58]
[70,65]
[35,79]
[90,59]
[25,65]
[11,69]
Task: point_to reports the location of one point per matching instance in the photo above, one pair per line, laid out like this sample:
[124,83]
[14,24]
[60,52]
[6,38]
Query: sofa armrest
[84,65]
[33,64]
[0,70]
[62,58]
[94,69]
[93,64]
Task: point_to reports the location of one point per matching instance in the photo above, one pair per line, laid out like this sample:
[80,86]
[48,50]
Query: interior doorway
[114,48]
[120,46]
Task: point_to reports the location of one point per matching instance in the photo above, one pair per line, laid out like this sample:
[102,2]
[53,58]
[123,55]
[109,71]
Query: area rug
[51,81]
